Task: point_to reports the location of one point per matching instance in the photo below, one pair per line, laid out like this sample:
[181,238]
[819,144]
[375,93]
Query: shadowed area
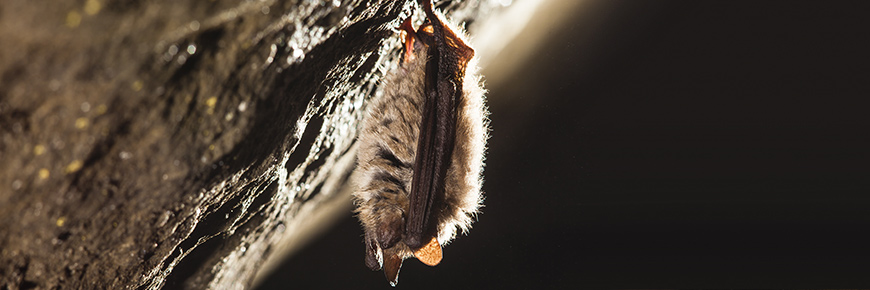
[663,144]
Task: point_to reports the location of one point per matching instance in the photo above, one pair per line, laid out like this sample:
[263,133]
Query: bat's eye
[389,233]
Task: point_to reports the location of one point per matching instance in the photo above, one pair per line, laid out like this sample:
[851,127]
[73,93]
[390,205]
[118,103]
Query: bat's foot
[410,37]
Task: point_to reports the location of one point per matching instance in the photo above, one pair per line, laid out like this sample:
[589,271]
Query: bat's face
[421,151]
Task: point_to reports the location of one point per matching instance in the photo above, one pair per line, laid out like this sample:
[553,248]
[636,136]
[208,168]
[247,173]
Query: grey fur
[388,141]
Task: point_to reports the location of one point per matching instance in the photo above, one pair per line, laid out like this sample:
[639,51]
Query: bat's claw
[410,37]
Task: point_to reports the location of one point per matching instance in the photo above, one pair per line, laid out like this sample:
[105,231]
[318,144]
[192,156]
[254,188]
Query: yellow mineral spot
[92,7]
[73,19]
[38,149]
[60,221]
[137,85]
[43,173]
[82,123]
[211,147]
[210,103]
[101,109]
[73,166]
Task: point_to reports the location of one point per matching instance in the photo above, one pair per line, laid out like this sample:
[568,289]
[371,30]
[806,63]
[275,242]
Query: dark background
[683,144]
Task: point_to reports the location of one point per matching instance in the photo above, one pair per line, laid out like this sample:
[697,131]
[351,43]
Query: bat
[422,146]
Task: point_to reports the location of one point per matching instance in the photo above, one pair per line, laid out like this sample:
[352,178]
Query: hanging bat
[422,148]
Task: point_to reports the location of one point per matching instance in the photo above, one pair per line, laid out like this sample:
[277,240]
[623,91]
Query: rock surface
[178,143]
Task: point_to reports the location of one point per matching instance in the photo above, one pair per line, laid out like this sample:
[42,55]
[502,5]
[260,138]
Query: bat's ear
[430,254]
[392,265]
[374,255]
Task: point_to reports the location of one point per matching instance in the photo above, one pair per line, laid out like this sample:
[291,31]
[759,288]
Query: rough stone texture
[161,143]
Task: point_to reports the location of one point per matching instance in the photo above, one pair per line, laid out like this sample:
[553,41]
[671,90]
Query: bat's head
[390,259]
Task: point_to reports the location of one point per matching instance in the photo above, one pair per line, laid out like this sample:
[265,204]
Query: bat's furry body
[388,151]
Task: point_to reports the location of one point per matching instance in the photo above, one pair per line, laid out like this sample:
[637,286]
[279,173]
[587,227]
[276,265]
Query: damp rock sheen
[180,144]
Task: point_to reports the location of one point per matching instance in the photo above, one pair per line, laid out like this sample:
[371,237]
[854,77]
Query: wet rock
[178,143]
